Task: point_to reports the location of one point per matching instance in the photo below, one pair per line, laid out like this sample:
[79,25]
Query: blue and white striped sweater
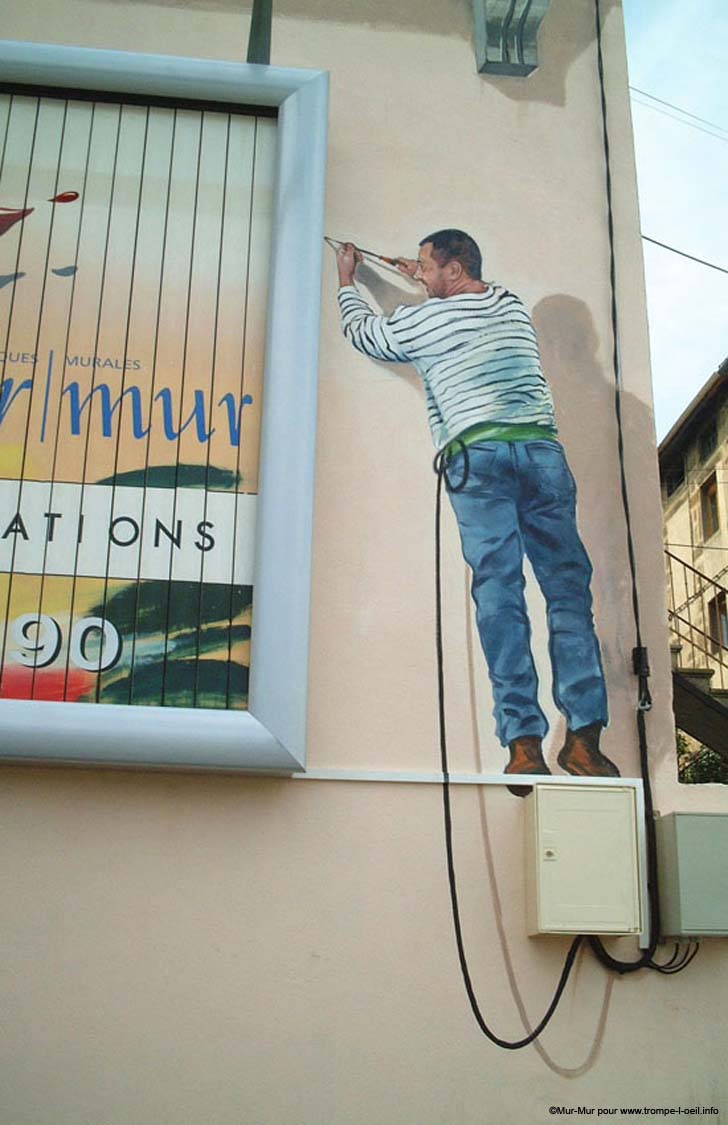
[476,353]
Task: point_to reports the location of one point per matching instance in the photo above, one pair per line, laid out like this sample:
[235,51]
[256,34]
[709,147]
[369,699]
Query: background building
[693,458]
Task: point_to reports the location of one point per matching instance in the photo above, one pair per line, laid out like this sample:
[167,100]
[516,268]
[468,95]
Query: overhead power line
[681,121]
[685,112]
[674,250]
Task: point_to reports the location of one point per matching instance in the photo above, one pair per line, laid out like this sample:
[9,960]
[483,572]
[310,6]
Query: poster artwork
[491,414]
[133,260]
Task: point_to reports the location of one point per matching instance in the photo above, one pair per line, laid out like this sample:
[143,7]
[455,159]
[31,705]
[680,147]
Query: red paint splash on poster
[12,216]
[65,197]
[17,683]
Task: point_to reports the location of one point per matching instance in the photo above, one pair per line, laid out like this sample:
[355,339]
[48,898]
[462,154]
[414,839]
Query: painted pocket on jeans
[550,475]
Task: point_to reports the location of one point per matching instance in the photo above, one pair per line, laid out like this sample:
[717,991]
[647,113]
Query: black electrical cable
[639,654]
[673,959]
[677,962]
[670,969]
[442,462]
[684,964]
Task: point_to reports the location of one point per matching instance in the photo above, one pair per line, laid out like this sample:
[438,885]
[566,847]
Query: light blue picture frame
[271,735]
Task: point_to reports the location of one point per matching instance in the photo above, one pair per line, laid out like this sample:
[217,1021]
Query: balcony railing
[698,618]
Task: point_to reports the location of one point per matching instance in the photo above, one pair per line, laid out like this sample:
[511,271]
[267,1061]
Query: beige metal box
[582,869]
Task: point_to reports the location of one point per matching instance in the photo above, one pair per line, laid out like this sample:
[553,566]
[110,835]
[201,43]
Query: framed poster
[159,290]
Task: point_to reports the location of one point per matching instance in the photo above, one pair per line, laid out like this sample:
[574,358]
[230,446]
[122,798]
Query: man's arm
[372,334]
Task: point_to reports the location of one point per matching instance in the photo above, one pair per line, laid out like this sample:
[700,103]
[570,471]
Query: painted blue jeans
[520,497]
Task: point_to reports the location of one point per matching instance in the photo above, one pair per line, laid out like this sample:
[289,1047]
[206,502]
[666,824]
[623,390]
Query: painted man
[475,349]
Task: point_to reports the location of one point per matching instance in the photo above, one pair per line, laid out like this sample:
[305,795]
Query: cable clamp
[644,703]
[641,669]
[640,662]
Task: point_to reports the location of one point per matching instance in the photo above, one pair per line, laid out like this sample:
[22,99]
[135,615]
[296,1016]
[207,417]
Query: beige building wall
[181,950]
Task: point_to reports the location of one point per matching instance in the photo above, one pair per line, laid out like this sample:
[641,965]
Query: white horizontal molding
[157,76]
[434,778]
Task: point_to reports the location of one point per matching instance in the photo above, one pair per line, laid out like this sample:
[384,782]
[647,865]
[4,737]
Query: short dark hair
[456,246]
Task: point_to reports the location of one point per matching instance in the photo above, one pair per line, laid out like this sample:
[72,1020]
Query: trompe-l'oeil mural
[134,247]
[491,414]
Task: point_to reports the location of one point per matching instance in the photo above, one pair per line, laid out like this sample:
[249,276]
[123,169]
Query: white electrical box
[582,868]
[692,870]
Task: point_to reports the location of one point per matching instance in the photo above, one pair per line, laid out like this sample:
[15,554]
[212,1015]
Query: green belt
[499,431]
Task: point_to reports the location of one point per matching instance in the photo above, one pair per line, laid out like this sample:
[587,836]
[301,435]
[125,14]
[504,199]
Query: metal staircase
[698,622]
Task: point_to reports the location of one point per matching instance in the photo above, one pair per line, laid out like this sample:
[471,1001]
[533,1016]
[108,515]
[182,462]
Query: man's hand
[347,259]
[407,266]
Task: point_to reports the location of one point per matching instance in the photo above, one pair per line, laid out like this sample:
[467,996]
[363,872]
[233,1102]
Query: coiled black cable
[441,465]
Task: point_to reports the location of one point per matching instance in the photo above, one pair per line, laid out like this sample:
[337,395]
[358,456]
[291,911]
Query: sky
[678,52]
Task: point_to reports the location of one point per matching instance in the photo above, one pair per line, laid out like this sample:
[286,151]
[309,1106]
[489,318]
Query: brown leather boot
[580,754]
[526,757]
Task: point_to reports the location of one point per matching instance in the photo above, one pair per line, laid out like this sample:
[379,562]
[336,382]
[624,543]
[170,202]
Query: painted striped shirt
[476,353]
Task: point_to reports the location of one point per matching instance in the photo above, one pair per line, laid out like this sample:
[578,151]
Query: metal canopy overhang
[506,32]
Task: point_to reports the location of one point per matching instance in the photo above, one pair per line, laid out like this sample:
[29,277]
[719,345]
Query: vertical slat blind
[134,247]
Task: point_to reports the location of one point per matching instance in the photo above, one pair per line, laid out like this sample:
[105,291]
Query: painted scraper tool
[336,244]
